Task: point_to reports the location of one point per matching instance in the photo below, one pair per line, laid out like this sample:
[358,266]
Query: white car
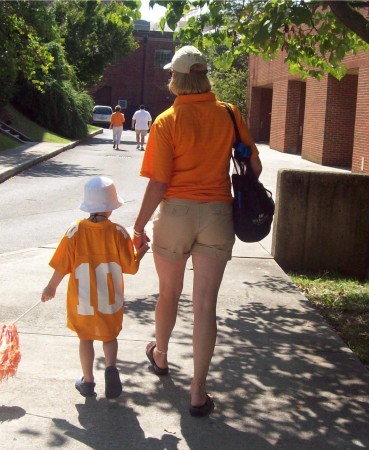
[101,115]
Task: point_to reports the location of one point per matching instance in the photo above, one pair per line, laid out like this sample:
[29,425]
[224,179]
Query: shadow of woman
[210,432]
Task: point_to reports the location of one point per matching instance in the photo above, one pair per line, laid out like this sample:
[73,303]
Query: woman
[187,161]
[116,123]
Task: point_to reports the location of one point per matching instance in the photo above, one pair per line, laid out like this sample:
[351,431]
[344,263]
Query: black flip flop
[150,355]
[204,410]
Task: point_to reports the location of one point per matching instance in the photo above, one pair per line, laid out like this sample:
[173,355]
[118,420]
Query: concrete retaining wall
[322,222]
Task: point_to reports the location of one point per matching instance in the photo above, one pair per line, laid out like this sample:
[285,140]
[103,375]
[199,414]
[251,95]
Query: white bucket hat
[185,58]
[100,196]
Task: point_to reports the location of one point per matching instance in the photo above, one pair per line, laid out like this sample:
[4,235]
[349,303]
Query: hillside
[35,132]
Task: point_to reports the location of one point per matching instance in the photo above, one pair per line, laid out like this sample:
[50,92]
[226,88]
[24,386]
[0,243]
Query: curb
[33,160]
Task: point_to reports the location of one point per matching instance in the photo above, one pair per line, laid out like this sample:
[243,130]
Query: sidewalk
[17,159]
[282,379]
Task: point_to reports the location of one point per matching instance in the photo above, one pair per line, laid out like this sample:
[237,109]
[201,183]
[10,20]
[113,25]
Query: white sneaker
[142,147]
[137,146]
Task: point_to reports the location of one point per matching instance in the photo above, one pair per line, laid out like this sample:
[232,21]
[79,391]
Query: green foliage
[229,84]
[344,302]
[94,35]
[21,47]
[60,108]
[51,51]
[314,40]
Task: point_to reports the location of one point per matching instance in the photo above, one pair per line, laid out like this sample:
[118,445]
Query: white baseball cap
[100,195]
[185,58]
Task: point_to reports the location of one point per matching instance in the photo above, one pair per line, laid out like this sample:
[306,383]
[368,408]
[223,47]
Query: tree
[315,35]
[21,48]
[50,51]
[95,34]
[228,85]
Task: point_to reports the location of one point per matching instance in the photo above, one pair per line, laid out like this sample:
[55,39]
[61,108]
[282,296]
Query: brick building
[325,121]
[139,78]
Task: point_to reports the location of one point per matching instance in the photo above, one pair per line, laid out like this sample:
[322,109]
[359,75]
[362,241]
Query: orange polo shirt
[189,148]
[117,119]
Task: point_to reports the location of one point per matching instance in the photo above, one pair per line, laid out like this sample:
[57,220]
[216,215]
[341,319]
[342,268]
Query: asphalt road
[40,203]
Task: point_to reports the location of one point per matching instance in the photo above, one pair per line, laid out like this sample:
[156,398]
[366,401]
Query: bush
[60,108]
[8,75]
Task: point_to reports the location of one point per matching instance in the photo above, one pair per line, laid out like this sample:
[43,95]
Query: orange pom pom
[9,351]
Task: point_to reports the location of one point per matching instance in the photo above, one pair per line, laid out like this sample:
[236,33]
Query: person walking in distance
[187,162]
[95,252]
[116,123]
[141,123]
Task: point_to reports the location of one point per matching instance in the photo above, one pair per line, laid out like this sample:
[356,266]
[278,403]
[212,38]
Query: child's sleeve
[127,254]
[62,259]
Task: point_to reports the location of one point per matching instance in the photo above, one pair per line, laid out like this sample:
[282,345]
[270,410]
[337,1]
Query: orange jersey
[117,119]
[95,255]
[189,148]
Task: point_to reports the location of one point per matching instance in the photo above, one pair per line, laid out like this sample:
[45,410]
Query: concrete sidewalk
[280,376]
[17,159]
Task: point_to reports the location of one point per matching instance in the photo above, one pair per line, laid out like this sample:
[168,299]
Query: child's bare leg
[113,385]
[110,351]
[87,356]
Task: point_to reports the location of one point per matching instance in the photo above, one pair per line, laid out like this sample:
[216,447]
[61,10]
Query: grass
[30,129]
[344,302]
[92,128]
[6,143]
[26,126]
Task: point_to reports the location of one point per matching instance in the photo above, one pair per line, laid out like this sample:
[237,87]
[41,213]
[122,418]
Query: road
[38,204]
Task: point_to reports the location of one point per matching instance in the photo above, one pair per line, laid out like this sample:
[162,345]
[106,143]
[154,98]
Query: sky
[151,15]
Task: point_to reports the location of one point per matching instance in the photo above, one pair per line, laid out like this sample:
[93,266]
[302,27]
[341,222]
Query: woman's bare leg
[170,275]
[208,275]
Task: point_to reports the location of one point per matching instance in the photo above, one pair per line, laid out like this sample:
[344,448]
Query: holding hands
[141,242]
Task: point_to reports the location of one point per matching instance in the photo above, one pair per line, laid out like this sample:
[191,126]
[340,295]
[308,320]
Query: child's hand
[142,251]
[48,293]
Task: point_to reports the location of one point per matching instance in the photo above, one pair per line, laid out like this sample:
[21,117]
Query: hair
[117,108]
[195,82]
[142,106]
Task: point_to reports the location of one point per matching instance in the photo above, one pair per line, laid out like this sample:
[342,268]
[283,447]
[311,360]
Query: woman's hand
[140,240]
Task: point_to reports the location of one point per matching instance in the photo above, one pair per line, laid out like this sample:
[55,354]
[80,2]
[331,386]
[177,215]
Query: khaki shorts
[142,132]
[183,227]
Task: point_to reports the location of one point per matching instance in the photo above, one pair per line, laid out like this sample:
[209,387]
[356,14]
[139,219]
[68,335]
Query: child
[95,252]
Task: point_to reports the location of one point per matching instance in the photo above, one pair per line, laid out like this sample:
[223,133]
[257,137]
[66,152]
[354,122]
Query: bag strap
[231,113]
[240,164]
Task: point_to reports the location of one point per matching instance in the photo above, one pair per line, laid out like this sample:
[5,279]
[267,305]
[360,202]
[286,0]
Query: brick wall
[278,122]
[294,102]
[360,157]
[340,121]
[137,79]
[284,133]
[315,116]
[335,116]
[253,109]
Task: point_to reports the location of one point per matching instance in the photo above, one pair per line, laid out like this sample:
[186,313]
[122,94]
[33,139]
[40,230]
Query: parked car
[101,115]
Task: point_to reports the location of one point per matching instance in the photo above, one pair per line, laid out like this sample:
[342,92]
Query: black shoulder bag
[253,205]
